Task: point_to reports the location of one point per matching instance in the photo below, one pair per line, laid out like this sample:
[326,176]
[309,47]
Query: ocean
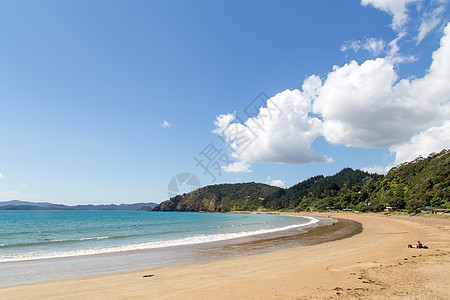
[45,245]
[30,235]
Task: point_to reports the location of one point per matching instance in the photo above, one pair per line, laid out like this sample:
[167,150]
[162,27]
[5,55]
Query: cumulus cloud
[165,124]
[396,8]
[275,182]
[431,140]
[282,131]
[366,106]
[358,105]
[434,139]
[223,121]
[1,176]
[237,167]
[351,104]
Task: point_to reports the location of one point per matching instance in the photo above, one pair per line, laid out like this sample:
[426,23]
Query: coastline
[375,264]
[315,231]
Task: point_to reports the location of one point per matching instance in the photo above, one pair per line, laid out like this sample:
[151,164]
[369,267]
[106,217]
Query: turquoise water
[34,235]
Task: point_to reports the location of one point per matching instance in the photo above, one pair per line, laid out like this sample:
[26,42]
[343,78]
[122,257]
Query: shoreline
[221,237]
[375,264]
[49,269]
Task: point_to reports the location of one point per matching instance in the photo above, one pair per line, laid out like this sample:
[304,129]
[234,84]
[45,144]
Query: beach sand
[375,264]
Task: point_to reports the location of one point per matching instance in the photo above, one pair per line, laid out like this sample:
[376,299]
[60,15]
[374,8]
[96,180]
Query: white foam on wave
[94,238]
[192,240]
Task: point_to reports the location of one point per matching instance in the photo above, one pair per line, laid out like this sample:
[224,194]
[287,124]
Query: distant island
[420,184]
[26,205]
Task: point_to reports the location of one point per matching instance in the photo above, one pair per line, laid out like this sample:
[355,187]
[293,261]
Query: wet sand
[375,264]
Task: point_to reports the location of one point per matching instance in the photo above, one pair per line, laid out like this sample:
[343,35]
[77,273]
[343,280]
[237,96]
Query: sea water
[38,246]
[32,235]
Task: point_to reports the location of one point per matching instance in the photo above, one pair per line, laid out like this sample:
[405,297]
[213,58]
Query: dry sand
[375,264]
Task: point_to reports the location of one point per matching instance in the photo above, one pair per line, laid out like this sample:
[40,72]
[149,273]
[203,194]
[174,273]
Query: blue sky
[107,101]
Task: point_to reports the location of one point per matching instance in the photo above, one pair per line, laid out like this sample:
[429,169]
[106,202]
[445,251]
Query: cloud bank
[363,105]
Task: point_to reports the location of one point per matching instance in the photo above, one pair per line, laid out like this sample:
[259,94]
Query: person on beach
[419,245]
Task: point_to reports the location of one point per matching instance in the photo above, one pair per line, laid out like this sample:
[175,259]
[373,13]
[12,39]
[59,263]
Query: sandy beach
[375,264]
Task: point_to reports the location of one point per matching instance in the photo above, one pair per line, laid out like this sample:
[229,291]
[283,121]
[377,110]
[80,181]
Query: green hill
[343,190]
[220,197]
[414,185]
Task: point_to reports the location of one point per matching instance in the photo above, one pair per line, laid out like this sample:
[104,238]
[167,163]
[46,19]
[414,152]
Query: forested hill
[220,197]
[411,186]
[342,190]
[318,192]
[414,185]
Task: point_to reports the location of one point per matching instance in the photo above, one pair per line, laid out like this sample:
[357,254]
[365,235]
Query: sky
[134,101]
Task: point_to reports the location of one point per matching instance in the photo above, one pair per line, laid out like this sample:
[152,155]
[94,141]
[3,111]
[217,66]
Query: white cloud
[430,15]
[364,105]
[1,176]
[165,124]
[353,104]
[429,22]
[396,8]
[374,45]
[351,45]
[282,132]
[431,140]
[23,185]
[434,139]
[222,122]
[237,167]
[358,105]
[393,54]
[376,169]
[275,182]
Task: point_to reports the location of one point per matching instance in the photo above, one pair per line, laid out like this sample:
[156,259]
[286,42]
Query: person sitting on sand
[419,245]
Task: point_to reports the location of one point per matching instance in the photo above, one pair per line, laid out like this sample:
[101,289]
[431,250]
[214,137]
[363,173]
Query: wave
[45,241]
[95,238]
[192,240]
